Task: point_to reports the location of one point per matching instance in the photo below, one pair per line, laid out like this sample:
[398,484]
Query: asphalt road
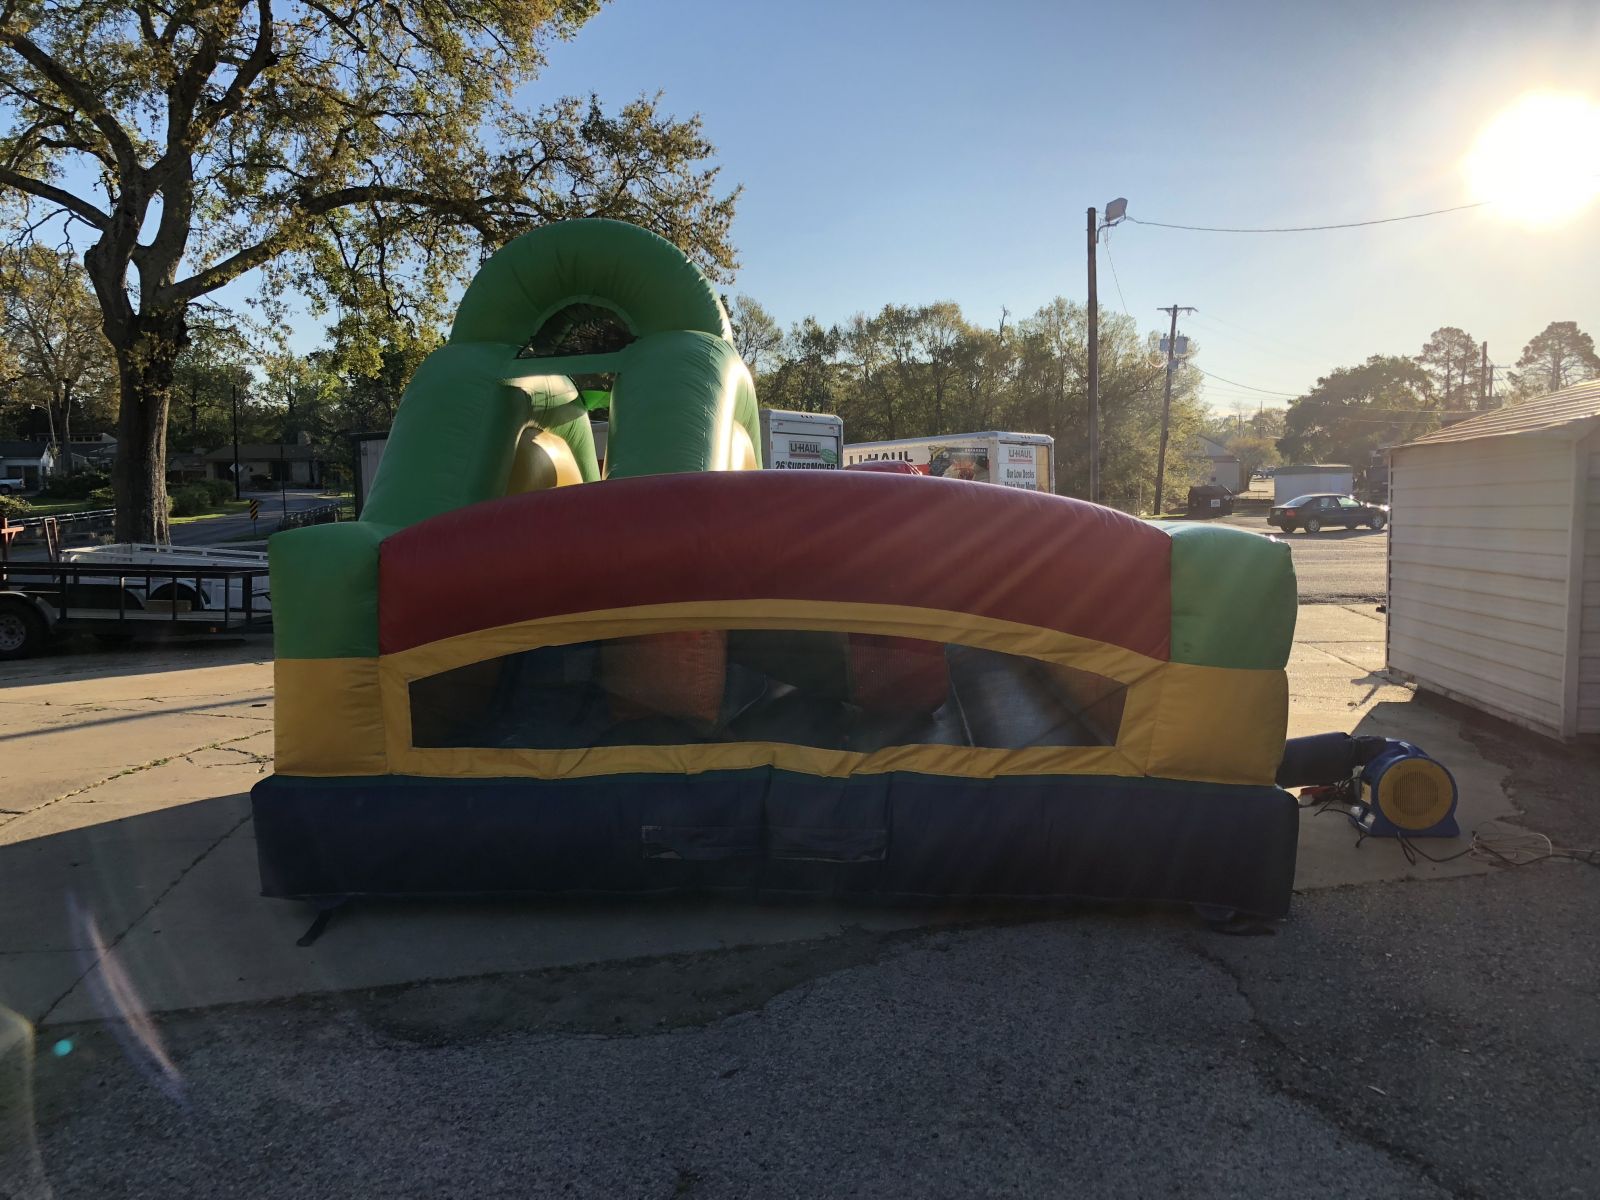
[214,531]
[1405,1040]
[1336,566]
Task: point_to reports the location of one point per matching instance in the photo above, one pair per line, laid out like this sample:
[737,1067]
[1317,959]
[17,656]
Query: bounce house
[513,676]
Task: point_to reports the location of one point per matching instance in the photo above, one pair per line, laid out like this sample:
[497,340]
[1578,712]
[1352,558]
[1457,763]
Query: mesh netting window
[835,691]
[578,329]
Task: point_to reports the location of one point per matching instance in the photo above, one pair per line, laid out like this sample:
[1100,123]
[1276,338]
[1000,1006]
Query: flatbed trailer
[128,599]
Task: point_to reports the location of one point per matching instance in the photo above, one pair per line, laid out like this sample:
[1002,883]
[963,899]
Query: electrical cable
[1436,212]
[1509,847]
[1110,263]
[1285,348]
[1246,386]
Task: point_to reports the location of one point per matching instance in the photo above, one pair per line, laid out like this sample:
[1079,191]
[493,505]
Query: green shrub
[190,501]
[74,487]
[102,498]
[217,490]
[15,507]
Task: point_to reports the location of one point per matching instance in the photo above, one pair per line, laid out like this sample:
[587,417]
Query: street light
[1115,211]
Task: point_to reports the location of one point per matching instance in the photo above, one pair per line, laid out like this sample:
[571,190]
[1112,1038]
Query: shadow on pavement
[89,657]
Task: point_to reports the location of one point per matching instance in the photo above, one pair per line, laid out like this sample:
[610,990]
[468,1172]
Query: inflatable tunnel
[696,675]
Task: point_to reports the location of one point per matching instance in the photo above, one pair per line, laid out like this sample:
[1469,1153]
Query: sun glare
[1539,160]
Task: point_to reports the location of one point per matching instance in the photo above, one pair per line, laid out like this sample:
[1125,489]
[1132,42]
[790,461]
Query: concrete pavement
[1392,1040]
[141,830]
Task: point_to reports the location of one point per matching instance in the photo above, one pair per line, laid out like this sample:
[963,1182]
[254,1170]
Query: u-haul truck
[1019,460]
[800,441]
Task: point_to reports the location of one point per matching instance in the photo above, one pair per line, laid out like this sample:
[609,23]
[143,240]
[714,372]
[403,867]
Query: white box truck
[800,441]
[1019,460]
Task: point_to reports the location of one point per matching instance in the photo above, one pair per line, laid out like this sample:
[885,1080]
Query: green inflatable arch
[479,413]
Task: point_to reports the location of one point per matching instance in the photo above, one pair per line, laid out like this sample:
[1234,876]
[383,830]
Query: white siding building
[1494,562]
[1290,482]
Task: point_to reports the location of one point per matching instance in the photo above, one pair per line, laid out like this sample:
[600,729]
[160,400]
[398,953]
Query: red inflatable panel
[849,536]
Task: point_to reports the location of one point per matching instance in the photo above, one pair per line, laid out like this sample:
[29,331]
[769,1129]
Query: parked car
[1323,509]
[12,483]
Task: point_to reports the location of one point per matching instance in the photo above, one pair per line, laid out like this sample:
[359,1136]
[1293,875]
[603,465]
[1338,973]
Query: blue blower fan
[1391,788]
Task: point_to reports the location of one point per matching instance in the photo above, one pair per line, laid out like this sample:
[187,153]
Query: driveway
[1336,566]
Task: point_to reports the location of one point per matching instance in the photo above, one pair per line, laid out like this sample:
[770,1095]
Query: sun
[1539,160]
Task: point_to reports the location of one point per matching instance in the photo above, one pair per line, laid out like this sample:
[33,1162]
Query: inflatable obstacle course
[512,677]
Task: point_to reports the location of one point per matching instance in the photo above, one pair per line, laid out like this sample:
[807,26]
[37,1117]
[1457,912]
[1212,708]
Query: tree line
[1353,413]
[906,370]
[926,369]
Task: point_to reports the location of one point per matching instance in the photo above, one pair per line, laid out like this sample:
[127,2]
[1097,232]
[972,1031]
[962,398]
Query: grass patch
[227,508]
[59,508]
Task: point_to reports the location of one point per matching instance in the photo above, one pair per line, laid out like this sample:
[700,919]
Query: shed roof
[1569,406]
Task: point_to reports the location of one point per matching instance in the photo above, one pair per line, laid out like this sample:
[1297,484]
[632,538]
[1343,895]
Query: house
[293,462]
[1494,562]
[1222,467]
[94,453]
[190,465]
[33,461]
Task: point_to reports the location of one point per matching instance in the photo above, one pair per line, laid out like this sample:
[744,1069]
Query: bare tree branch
[79,207]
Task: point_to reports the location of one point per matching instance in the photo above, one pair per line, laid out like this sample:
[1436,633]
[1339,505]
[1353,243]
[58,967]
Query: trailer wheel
[22,629]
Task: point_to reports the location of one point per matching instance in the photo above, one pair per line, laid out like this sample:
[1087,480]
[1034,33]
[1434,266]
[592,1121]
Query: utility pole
[237,491]
[1115,211]
[1094,365]
[283,465]
[1483,380]
[1166,406]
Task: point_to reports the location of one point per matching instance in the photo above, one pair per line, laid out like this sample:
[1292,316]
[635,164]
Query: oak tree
[352,149]
[1354,411]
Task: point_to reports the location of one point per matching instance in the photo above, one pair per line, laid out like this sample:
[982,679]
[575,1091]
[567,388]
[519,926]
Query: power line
[1114,278]
[1247,387]
[1435,212]
[1273,344]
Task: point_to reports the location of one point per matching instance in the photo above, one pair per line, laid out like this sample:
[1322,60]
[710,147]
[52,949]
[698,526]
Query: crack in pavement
[220,744]
[1273,1043]
[133,924]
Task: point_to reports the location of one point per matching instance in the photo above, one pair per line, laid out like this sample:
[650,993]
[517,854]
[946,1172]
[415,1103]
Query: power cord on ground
[1493,843]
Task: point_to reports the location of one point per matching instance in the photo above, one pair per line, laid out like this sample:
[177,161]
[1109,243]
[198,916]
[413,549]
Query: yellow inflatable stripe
[1209,724]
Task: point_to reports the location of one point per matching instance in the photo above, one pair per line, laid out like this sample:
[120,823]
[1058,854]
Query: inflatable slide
[512,676]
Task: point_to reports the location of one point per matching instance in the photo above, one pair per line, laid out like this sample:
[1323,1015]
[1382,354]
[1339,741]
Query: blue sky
[909,152]
[913,152]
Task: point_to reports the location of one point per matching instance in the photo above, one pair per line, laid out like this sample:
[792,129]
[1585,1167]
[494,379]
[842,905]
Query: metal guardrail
[94,514]
[323,514]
